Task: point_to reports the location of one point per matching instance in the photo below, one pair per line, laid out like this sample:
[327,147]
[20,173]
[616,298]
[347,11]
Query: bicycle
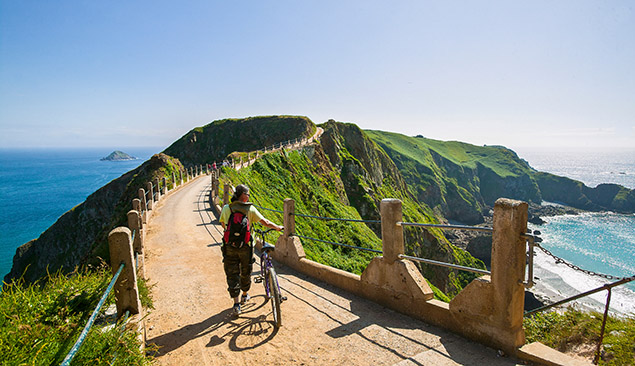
[269,278]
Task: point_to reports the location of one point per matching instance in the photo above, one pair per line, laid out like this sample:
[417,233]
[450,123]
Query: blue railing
[91,320]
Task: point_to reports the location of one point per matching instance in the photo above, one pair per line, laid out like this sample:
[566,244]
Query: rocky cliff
[604,197]
[80,236]
[370,175]
[213,142]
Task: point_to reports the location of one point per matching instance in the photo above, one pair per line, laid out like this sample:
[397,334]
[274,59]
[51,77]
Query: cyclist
[238,262]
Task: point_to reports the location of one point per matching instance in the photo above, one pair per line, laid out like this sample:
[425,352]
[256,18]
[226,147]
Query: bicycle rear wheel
[275,296]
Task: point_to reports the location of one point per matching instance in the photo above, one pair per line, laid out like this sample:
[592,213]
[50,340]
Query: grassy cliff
[456,179]
[347,175]
[215,141]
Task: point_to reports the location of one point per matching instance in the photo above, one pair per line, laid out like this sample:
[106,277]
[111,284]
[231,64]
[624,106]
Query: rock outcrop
[213,142]
[604,197]
[118,156]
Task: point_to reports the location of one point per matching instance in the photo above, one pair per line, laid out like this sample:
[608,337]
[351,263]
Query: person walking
[237,257]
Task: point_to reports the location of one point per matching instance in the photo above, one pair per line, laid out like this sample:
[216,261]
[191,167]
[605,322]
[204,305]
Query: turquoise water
[38,186]
[600,242]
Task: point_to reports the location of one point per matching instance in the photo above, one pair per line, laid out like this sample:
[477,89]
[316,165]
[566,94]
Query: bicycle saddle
[266,246]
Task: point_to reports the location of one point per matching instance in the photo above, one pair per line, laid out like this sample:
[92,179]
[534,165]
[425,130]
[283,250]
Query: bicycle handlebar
[263,232]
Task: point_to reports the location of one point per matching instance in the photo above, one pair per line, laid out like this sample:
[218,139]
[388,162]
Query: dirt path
[321,325]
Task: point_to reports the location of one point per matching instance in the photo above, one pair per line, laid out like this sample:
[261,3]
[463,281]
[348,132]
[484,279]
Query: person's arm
[224,217]
[270,224]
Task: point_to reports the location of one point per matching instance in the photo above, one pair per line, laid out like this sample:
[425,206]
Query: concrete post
[174,180]
[144,205]
[214,186]
[226,194]
[151,191]
[164,190]
[508,264]
[157,184]
[181,174]
[126,290]
[289,217]
[134,223]
[136,205]
[191,173]
[391,234]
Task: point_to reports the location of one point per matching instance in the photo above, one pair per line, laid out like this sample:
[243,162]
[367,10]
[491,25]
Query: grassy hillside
[456,179]
[316,191]
[347,190]
[215,141]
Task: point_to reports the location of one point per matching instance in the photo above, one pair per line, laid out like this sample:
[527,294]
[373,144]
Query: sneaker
[237,309]
[245,298]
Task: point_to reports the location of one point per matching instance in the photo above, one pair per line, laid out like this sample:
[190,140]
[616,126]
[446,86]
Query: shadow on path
[243,332]
[443,344]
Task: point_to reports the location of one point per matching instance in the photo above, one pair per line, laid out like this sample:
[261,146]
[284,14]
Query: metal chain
[576,268]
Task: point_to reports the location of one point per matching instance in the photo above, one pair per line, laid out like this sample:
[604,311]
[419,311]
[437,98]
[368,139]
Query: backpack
[238,229]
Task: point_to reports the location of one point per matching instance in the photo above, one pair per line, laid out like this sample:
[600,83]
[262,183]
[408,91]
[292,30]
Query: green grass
[502,161]
[316,192]
[573,328]
[275,177]
[457,178]
[39,323]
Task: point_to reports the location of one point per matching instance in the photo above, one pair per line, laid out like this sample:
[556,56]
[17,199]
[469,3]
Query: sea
[37,186]
[600,242]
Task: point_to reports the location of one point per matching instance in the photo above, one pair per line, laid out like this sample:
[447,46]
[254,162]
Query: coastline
[556,281]
[551,286]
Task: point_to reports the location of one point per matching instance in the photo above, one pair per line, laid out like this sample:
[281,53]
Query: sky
[537,74]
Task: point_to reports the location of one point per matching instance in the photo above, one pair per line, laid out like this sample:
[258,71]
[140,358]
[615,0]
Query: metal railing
[417,259]
[82,337]
[340,244]
[444,264]
[448,227]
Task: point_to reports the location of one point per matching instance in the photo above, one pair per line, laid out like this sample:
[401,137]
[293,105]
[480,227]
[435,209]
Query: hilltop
[346,174]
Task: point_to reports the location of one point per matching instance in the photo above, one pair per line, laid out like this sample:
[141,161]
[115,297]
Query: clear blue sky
[124,73]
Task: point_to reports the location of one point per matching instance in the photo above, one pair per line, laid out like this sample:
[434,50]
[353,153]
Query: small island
[118,156]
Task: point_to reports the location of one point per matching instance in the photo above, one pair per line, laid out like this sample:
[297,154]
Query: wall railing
[127,255]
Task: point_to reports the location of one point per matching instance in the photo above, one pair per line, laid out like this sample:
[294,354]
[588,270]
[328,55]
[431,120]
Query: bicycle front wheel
[275,296]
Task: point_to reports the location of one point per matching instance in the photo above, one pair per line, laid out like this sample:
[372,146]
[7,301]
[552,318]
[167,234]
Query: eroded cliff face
[370,175]
[80,236]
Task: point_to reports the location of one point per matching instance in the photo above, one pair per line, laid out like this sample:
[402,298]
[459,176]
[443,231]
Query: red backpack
[238,229]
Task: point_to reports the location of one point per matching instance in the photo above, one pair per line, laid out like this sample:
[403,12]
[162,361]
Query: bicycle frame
[270,279]
[265,264]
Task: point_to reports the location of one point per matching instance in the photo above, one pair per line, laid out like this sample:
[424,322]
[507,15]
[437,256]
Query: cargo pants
[238,264]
